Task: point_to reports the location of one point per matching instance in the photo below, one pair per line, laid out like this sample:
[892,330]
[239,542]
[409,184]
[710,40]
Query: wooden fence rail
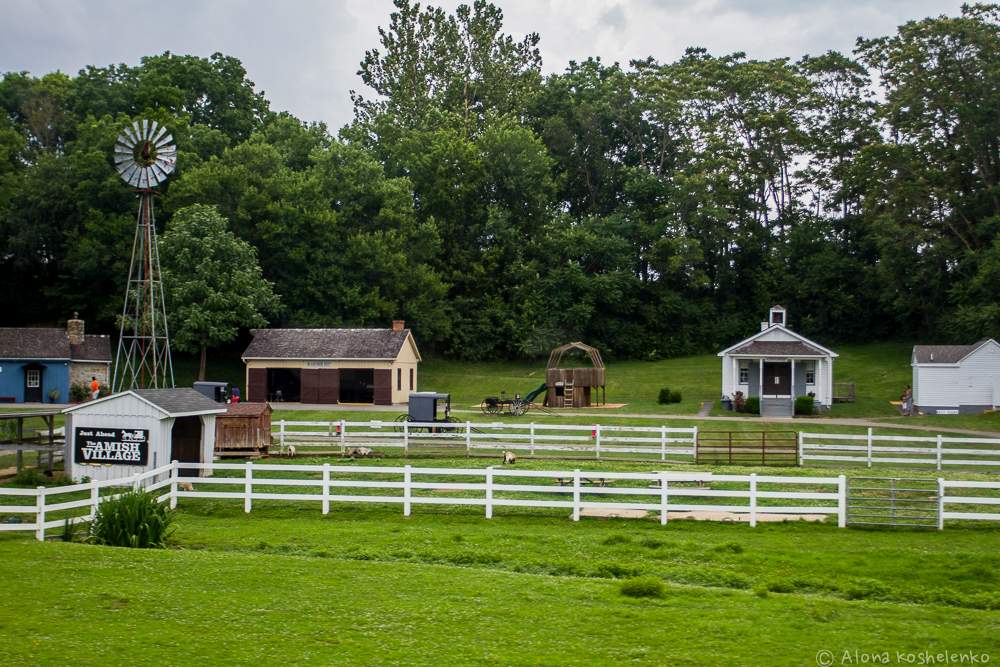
[750,495]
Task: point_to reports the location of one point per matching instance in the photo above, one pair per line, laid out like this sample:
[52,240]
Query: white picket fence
[596,439]
[752,495]
[869,448]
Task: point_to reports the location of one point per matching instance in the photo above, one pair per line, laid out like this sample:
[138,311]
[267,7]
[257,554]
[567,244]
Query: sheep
[509,457]
[360,452]
[291,451]
[185,486]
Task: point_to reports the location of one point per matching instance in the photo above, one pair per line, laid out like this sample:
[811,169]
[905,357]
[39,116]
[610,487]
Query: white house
[777,365]
[139,430]
[954,379]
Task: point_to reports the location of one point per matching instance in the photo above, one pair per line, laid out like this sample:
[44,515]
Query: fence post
[842,501]
[801,443]
[95,498]
[939,452]
[248,488]
[489,492]
[753,500]
[173,485]
[663,442]
[40,514]
[664,498]
[940,503]
[468,439]
[135,482]
[576,495]
[326,488]
[281,436]
[694,441]
[407,491]
[597,440]
[531,437]
[869,446]
[343,436]
[406,438]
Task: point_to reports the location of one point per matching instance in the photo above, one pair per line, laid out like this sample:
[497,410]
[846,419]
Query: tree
[213,283]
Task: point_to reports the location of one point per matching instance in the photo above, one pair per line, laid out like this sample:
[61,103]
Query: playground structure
[575,387]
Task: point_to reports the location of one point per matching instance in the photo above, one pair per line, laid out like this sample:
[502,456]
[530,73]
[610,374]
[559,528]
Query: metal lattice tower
[144,156]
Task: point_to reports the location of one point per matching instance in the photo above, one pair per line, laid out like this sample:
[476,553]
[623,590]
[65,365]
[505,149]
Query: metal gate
[892,501]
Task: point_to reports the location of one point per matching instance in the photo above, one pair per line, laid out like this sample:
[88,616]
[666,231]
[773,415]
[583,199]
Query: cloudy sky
[304,53]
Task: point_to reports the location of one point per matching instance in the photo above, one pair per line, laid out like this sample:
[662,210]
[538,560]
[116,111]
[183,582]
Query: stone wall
[80,372]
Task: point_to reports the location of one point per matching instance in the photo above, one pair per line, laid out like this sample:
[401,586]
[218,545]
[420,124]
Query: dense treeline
[652,209]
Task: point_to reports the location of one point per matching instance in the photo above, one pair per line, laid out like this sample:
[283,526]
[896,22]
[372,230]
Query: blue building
[35,362]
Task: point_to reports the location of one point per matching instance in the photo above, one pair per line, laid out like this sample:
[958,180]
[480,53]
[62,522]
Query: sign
[122,446]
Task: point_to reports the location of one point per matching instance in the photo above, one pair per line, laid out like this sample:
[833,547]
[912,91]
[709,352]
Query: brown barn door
[185,443]
[383,386]
[257,389]
[777,379]
[329,386]
[310,385]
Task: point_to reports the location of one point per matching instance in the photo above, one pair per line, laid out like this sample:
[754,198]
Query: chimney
[74,330]
[763,325]
[398,325]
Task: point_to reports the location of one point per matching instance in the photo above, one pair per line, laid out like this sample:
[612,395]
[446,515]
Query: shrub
[78,392]
[31,477]
[676,397]
[131,519]
[643,587]
[804,405]
[664,396]
[752,405]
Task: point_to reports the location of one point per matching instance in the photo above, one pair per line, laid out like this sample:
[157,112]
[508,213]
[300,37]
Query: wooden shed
[244,430]
[956,379]
[575,387]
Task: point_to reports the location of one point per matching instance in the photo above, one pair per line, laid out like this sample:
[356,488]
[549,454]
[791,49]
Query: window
[399,379]
[777,317]
[34,379]
[811,372]
[411,379]
[744,374]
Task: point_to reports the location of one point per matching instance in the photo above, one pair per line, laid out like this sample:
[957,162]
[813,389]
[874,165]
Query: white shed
[956,379]
[139,430]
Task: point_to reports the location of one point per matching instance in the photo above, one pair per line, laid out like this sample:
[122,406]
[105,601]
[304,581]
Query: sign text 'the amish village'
[112,445]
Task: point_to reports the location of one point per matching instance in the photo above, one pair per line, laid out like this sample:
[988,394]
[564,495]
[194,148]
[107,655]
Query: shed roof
[326,344]
[247,409]
[179,402]
[945,354]
[795,348]
[51,343]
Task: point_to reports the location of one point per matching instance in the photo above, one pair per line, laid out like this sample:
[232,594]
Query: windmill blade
[133,132]
[153,126]
[123,139]
[158,135]
[166,166]
[158,174]
[164,141]
[145,130]
[133,179]
[128,172]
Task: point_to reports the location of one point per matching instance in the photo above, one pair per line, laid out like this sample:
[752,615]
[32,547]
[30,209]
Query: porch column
[791,382]
[760,372]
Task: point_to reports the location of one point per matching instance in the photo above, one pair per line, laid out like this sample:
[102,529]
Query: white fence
[870,449]
[44,502]
[599,440]
[750,496]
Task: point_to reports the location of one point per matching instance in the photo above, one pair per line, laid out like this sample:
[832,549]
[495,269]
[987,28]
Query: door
[185,443]
[777,379]
[357,385]
[383,387]
[257,385]
[33,383]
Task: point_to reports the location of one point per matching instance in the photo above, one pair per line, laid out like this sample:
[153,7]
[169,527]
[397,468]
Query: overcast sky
[305,54]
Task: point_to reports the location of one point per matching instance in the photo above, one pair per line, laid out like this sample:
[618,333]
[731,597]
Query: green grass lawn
[364,585]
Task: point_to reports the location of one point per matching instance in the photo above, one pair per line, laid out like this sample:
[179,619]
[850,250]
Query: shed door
[257,391]
[310,385]
[383,386]
[185,444]
[329,386]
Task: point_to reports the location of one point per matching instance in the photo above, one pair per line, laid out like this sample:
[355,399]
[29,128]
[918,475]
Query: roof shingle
[179,400]
[325,344]
[779,348]
[943,354]
[51,343]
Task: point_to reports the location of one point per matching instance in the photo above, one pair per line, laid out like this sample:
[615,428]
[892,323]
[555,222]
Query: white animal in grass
[509,457]
[290,452]
[360,452]
[185,486]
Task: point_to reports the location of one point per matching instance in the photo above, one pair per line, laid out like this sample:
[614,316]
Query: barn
[366,366]
[138,430]
[956,379]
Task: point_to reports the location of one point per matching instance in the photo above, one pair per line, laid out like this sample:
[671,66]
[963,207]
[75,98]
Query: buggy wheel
[399,422]
[518,408]
[490,406]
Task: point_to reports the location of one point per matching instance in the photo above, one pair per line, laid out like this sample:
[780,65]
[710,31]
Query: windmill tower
[144,156]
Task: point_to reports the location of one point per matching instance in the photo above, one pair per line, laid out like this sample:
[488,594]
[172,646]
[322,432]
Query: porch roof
[778,348]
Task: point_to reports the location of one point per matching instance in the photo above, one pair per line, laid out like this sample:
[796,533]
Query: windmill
[144,156]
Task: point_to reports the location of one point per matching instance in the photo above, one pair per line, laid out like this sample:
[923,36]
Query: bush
[31,477]
[667,395]
[132,519]
[78,392]
[751,405]
[804,405]
[643,587]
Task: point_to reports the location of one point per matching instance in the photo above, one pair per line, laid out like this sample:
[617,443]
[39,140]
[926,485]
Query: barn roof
[51,343]
[945,354]
[373,344]
[779,348]
[179,402]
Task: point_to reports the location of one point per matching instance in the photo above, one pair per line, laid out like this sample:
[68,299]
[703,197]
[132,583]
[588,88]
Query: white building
[139,430]
[954,379]
[776,364]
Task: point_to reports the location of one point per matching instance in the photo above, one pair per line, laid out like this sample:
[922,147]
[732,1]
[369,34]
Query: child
[95,388]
